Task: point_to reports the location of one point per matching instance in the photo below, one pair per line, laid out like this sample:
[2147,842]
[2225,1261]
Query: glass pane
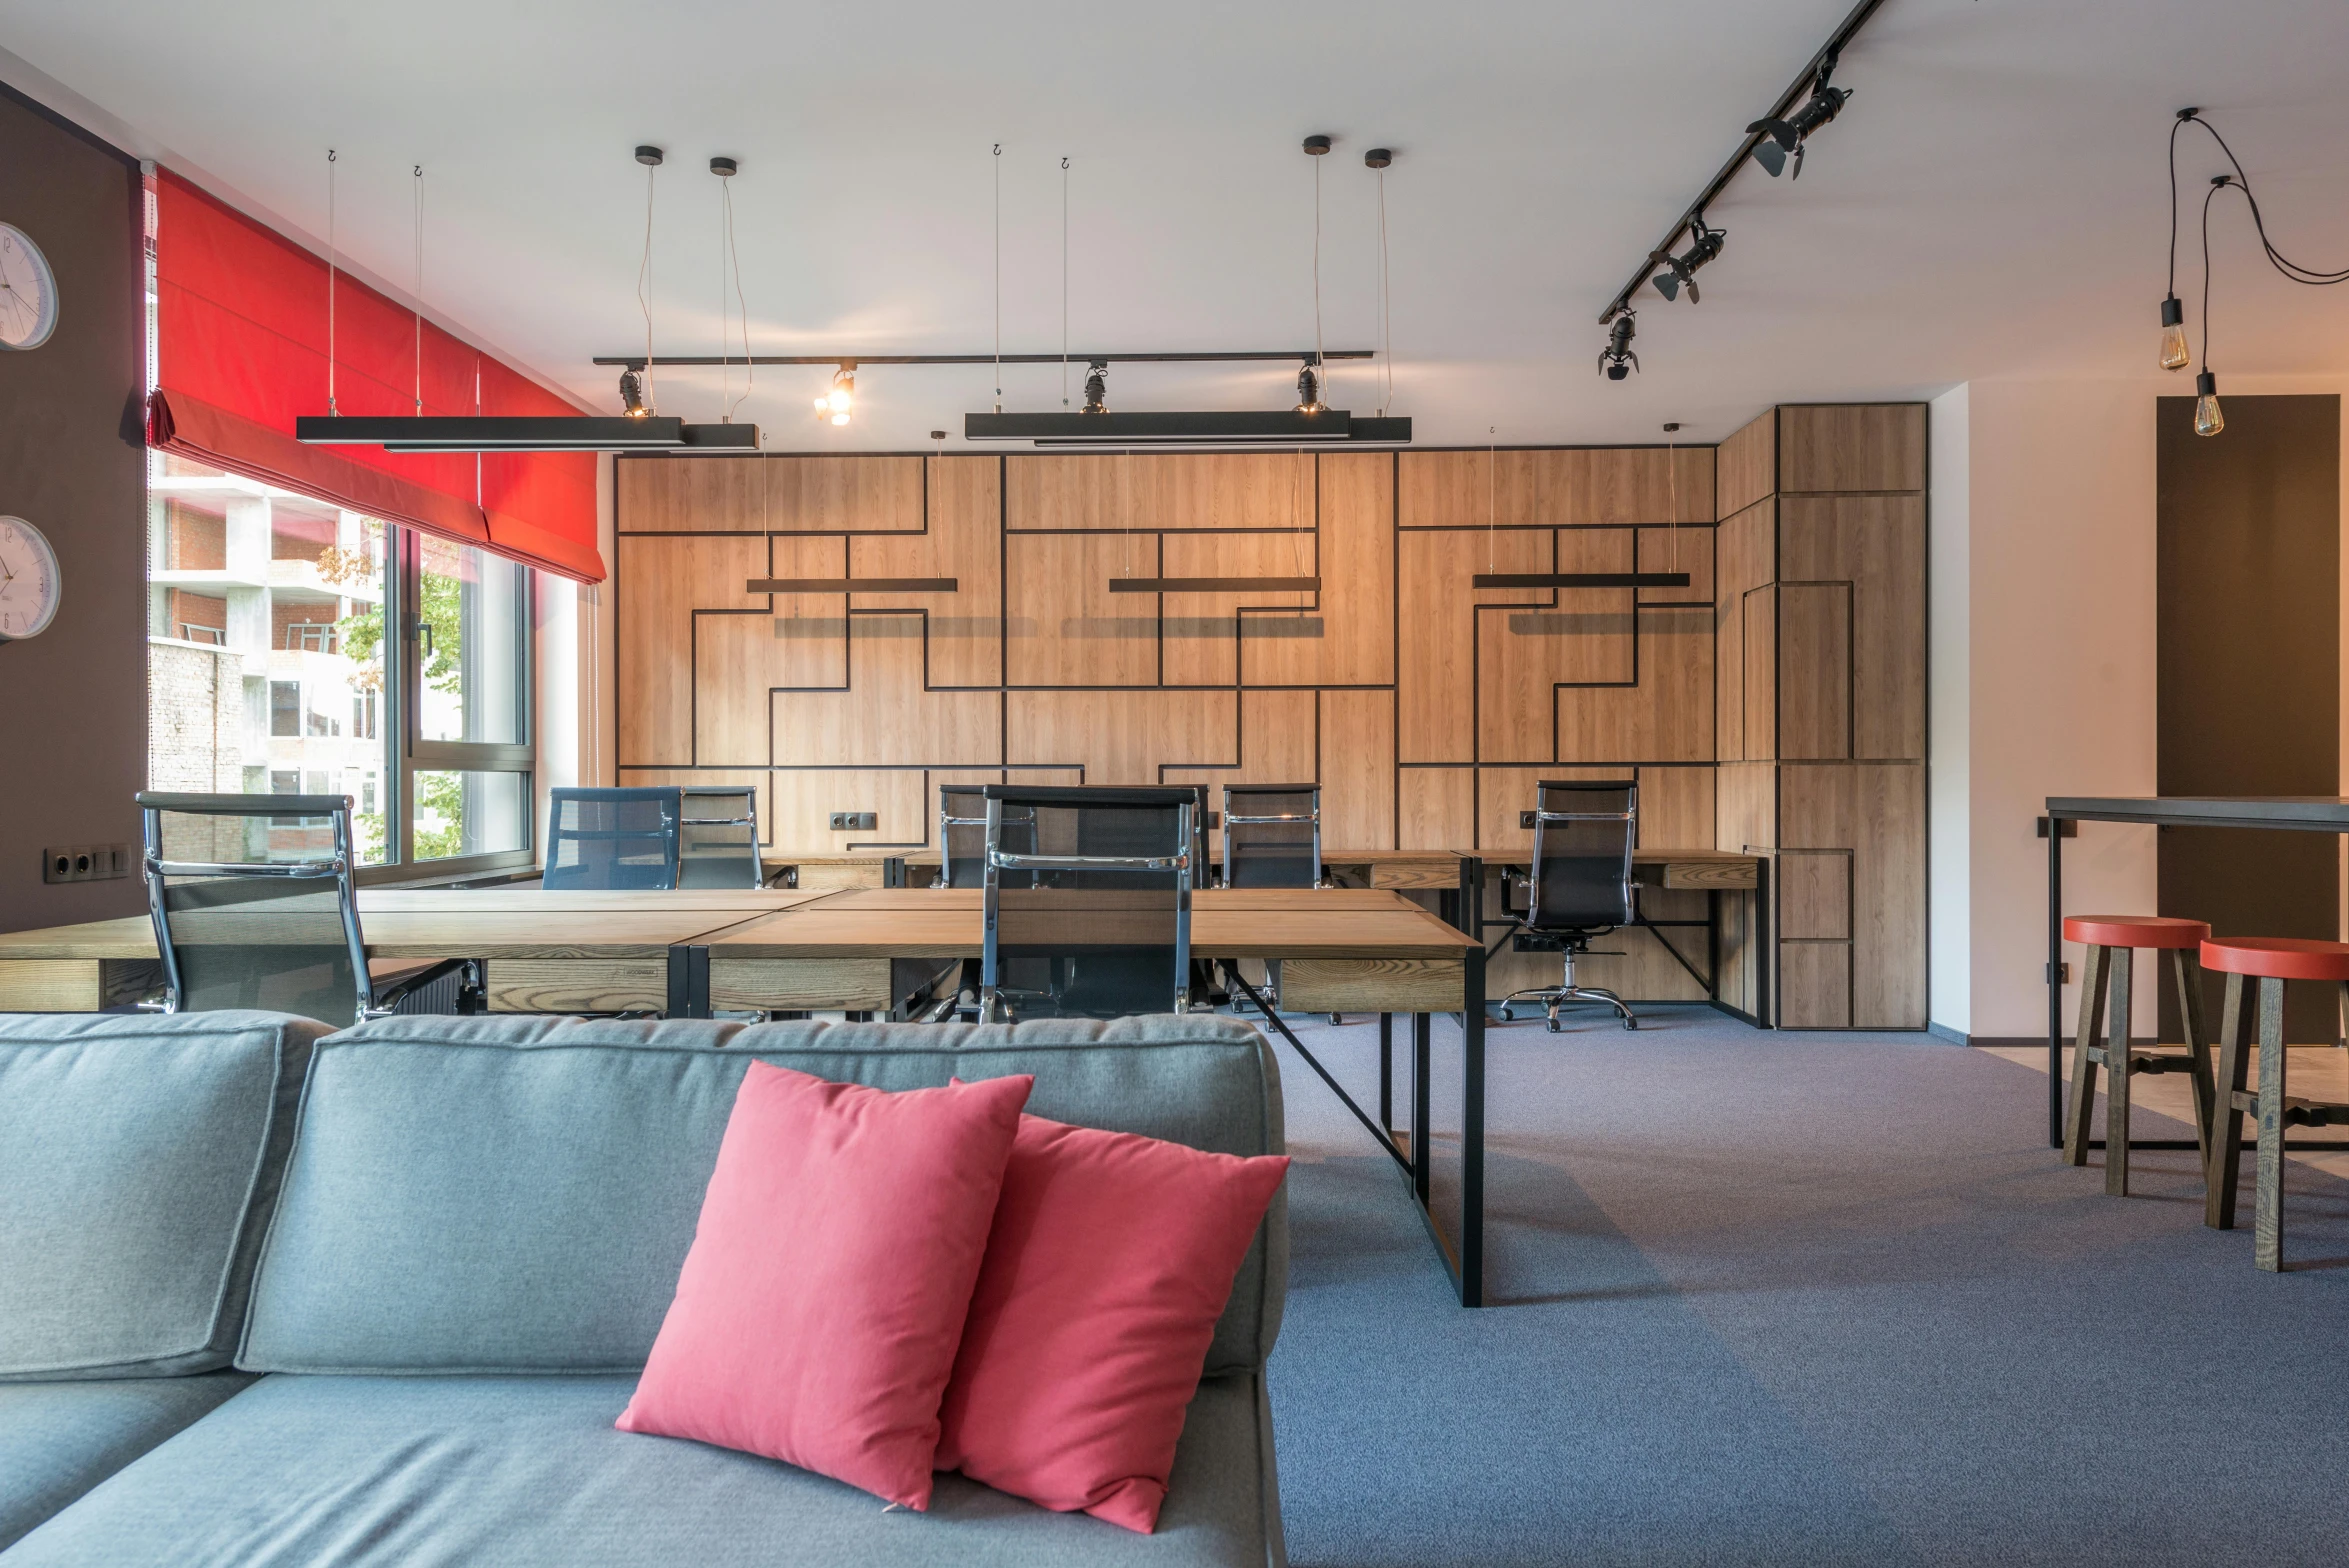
[264,644]
[470,814]
[470,643]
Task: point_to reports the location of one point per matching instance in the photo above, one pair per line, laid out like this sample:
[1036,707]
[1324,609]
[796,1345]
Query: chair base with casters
[1552,997]
[2267,962]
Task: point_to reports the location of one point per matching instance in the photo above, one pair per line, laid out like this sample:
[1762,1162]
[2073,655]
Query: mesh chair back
[614,838]
[962,836]
[718,836]
[1582,843]
[1272,835]
[254,906]
[1101,927]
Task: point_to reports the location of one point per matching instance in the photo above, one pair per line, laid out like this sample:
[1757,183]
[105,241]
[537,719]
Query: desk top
[1225,923]
[2309,813]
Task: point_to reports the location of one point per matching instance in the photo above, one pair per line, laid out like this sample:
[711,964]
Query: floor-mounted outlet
[86,863]
[856,821]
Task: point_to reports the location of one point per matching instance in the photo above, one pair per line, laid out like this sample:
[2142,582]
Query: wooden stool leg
[2092,963]
[2226,1129]
[2267,1243]
[2188,971]
[2116,1076]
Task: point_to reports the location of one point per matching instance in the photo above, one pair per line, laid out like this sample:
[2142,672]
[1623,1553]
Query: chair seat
[2156,931]
[2277,957]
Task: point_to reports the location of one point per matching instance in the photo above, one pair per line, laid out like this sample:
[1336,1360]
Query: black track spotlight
[1680,271]
[1096,388]
[1780,138]
[1617,360]
[1309,392]
[632,400]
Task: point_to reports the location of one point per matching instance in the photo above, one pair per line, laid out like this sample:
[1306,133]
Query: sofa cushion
[57,1440]
[139,1158]
[484,1195]
[333,1471]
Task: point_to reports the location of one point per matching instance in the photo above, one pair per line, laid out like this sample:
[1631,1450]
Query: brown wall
[1821,692]
[73,708]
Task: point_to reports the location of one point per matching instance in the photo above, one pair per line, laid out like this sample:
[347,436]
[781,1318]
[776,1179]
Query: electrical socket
[856,821]
[1525,819]
[86,863]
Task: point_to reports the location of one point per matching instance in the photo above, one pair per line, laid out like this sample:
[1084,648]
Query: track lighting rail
[1795,92]
[1308,356]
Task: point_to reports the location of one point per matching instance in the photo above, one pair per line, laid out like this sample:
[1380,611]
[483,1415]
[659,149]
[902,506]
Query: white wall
[2043,671]
[574,662]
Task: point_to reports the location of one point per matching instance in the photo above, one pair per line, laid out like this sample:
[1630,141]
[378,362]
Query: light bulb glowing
[2208,420]
[2174,354]
[837,404]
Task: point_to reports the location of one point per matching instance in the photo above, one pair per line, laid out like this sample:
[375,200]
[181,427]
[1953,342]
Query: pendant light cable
[331,410]
[1492,497]
[999,277]
[2317,276]
[1672,458]
[1320,364]
[644,287]
[1386,323]
[732,256]
[2216,186]
[417,172]
[1063,285]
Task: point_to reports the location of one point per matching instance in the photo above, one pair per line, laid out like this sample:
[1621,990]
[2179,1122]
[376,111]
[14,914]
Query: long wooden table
[691,953]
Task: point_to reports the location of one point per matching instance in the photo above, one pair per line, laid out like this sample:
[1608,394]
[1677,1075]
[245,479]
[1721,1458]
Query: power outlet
[856,821]
[1525,819]
[86,863]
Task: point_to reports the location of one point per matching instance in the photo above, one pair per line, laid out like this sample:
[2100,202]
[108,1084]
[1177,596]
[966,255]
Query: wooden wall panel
[1435,808]
[759,779]
[1122,737]
[1201,631]
[964,542]
[1064,627]
[1746,816]
[661,582]
[1814,985]
[1349,640]
[827,494]
[882,715]
[1872,550]
[1815,674]
[805,799]
[1556,487]
[1357,769]
[1676,808]
[689,495]
[1876,812]
[1746,465]
[1573,636]
[1745,559]
[1851,446]
[1437,632]
[1160,492]
[1757,639]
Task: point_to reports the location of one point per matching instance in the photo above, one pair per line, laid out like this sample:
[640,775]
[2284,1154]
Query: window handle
[423,633]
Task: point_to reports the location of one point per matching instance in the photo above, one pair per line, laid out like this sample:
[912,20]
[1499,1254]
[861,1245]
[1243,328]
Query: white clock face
[29,584]
[28,291]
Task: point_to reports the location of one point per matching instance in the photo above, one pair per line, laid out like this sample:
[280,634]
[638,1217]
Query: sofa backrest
[517,1195]
[139,1159]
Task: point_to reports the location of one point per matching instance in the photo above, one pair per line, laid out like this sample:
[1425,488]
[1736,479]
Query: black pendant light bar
[1215,585]
[524,433]
[1688,221]
[1283,426]
[1579,580]
[639,361]
[853,585]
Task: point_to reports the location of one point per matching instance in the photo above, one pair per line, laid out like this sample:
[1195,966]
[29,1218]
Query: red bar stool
[2271,960]
[2111,941]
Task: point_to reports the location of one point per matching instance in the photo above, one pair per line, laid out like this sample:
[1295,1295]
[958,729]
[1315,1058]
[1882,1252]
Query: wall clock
[28,291]
[29,584]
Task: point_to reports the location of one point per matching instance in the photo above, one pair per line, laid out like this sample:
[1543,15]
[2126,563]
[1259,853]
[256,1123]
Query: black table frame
[2290,813]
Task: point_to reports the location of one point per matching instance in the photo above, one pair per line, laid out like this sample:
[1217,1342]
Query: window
[301,648]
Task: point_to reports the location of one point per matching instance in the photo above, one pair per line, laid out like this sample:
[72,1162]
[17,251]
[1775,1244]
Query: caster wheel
[1631,1023]
[1551,1023]
[1335,1020]
[1507,1016]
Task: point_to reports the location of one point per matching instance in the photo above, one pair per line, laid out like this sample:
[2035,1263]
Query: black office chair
[1101,927]
[254,905]
[1272,835]
[1580,887]
[962,836]
[718,836]
[614,838]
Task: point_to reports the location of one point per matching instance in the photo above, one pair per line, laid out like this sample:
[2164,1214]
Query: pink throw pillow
[818,1312]
[1111,1259]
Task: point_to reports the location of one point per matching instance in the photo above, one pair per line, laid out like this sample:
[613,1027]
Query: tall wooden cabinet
[1820,708]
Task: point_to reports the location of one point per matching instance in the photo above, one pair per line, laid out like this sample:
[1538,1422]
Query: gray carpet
[1796,1299]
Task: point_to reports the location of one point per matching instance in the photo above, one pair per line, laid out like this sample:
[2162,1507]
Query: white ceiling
[1992,202]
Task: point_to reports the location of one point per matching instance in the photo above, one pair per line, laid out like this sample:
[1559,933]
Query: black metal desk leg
[1420,1117]
[1386,1071]
[1472,1135]
[2055,984]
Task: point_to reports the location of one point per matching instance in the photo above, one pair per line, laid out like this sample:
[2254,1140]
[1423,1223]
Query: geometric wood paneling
[860,701]
[1820,702]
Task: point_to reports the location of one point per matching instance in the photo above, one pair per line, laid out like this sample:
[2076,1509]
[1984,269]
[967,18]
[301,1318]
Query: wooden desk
[543,952]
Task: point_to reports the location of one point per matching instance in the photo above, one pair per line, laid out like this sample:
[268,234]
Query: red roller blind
[241,350]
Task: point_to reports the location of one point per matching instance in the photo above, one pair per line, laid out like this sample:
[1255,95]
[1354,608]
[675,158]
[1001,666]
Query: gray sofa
[376,1297]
